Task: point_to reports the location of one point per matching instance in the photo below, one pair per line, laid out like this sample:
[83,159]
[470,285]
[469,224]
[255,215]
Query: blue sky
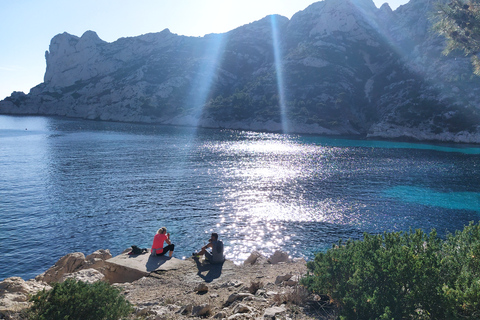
[27,26]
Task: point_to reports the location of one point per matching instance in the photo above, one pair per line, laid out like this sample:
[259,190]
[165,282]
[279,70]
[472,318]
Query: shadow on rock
[154,262]
[214,270]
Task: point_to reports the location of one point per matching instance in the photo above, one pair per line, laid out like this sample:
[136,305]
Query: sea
[69,185]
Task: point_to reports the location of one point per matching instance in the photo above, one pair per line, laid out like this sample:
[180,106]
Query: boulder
[15,292]
[220,315]
[96,260]
[252,258]
[161,312]
[261,260]
[242,308]
[271,293]
[292,281]
[75,262]
[186,309]
[277,257]
[283,278]
[238,296]
[201,310]
[70,263]
[102,254]
[144,312]
[273,312]
[255,258]
[201,288]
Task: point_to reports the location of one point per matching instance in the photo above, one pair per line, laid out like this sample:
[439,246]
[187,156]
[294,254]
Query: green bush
[399,275]
[79,300]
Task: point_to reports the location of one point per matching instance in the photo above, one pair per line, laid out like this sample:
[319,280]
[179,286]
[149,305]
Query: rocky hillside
[338,67]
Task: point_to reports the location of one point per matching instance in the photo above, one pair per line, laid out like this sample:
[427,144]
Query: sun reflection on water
[269,189]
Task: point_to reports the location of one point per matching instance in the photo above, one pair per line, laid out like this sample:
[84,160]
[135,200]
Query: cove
[70,185]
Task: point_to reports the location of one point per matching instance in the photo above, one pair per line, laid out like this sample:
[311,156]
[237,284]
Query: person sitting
[216,254]
[158,240]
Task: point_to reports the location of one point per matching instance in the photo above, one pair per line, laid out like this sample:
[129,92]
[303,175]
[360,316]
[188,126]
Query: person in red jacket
[158,240]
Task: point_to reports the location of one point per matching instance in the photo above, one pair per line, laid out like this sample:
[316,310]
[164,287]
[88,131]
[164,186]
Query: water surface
[74,185]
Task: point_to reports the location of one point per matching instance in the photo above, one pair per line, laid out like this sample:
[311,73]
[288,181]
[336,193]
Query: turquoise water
[428,197]
[72,185]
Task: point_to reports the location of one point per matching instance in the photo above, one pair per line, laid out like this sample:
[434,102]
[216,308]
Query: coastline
[166,288]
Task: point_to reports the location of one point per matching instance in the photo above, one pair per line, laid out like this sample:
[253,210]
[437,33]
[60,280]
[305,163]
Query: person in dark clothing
[215,255]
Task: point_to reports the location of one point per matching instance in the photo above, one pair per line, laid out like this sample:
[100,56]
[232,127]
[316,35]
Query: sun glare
[279,72]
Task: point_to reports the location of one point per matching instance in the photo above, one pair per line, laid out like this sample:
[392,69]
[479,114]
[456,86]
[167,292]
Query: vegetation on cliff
[412,275]
[459,22]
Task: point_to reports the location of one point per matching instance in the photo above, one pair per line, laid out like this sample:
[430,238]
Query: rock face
[337,67]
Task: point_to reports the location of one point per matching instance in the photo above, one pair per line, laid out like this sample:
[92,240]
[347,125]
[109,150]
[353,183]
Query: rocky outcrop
[338,67]
[15,293]
[253,291]
[73,264]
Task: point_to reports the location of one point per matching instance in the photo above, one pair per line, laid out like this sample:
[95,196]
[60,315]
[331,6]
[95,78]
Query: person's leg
[170,247]
[208,256]
[171,250]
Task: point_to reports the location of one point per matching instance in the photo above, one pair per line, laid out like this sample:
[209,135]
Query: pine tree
[459,22]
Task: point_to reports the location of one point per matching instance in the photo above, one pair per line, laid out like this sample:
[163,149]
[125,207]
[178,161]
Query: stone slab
[146,262]
[127,268]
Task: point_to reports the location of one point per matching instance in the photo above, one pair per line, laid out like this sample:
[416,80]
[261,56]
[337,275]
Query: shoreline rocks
[73,263]
[260,288]
[15,292]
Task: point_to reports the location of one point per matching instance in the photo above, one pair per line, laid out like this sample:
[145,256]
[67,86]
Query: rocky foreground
[261,288]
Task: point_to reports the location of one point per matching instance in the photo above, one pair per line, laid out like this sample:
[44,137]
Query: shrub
[460,270]
[399,275]
[79,300]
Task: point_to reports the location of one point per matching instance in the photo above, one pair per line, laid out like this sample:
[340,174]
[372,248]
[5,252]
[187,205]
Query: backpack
[137,250]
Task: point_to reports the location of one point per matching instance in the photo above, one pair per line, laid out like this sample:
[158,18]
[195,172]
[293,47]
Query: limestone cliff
[337,67]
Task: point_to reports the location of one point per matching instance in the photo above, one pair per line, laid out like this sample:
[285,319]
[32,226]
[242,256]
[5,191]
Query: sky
[27,26]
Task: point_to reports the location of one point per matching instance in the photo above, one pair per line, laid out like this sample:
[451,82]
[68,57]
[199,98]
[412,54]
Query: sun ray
[207,74]
[277,51]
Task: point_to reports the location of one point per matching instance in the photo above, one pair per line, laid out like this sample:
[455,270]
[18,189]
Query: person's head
[214,236]
[162,230]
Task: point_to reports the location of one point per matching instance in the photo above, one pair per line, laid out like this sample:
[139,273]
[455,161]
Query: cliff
[339,67]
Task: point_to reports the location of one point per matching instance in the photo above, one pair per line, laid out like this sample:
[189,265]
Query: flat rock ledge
[169,288]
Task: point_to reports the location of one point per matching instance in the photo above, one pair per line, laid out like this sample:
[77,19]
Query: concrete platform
[128,268]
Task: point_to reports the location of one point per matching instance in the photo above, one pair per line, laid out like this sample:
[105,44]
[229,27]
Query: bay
[71,185]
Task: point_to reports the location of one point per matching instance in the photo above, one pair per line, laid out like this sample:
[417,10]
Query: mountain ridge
[339,67]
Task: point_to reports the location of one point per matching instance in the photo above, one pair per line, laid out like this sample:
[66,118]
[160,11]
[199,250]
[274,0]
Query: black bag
[137,250]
